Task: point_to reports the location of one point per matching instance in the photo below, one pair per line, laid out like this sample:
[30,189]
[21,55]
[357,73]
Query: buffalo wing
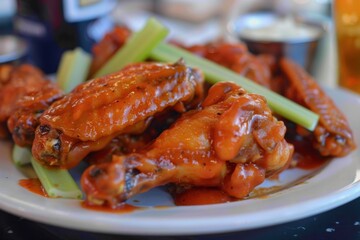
[24,121]
[332,136]
[237,58]
[106,48]
[97,111]
[15,83]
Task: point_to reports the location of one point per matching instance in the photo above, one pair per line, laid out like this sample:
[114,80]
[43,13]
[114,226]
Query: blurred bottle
[347,20]
[51,27]
[7,11]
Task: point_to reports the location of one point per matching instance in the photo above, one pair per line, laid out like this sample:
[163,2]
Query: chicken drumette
[23,122]
[232,142]
[236,57]
[15,84]
[105,49]
[97,111]
[332,136]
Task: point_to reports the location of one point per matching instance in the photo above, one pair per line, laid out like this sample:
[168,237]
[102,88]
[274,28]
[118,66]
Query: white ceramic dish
[333,185]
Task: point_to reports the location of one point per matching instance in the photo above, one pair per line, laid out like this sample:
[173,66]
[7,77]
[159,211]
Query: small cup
[269,33]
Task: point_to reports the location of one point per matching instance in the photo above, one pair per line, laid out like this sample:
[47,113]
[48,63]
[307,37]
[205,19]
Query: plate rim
[310,207]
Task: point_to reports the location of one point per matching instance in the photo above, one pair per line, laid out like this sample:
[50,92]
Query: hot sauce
[123,208]
[33,185]
[201,196]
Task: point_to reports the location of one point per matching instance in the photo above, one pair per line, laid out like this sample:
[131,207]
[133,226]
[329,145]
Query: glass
[347,20]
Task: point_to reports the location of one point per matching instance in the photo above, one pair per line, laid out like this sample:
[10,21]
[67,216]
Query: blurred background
[39,31]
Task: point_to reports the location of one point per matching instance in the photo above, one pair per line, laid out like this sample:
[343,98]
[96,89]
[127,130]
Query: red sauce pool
[201,196]
[124,208]
[306,157]
[33,185]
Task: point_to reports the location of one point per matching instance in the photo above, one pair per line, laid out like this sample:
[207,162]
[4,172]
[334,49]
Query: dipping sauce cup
[347,21]
[269,33]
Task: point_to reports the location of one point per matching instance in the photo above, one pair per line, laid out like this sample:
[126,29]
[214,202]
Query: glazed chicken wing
[106,48]
[16,82]
[24,121]
[97,111]
[237,58]
[232,143]
[332,136]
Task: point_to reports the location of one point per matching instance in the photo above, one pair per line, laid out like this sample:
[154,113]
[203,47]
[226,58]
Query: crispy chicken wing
[233,142]
[16,82]
[105,49]
[332,136]
[97,111]
[24,121]
[237,58]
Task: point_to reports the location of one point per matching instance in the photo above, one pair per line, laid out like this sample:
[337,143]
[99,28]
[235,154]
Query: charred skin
[233,142]
[332,136]
[121,103]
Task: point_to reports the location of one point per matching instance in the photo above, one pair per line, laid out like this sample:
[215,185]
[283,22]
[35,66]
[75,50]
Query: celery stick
[215,73]
[73,69]
[21,155]
[56,182]
[137,48]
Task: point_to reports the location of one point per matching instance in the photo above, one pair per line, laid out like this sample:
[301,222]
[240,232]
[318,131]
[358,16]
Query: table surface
[340,223]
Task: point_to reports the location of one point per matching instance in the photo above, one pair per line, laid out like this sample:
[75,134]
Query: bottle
[52,27]
[347,21]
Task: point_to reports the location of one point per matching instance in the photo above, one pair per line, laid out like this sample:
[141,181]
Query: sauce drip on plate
[123,208]
[33,185]
[201,196]
[306,157]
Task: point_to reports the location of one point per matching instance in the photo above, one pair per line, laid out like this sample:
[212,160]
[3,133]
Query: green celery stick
[73,69]
[216,73]
[137,48]
[21,155]
[56,182]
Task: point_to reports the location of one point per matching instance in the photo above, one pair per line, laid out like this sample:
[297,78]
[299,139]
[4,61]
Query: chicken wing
[97,111]
[16,82]
[237,58]
[106,48]
[24,121]
[233,142]
[332,136]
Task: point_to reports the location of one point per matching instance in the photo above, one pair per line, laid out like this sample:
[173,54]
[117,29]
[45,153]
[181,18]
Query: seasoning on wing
[332,136]
[233,142]
[97,111]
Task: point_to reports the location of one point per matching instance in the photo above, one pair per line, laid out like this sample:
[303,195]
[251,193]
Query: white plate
[329,187]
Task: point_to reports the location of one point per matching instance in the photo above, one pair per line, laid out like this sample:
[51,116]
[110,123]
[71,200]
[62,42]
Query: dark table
[340,223]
